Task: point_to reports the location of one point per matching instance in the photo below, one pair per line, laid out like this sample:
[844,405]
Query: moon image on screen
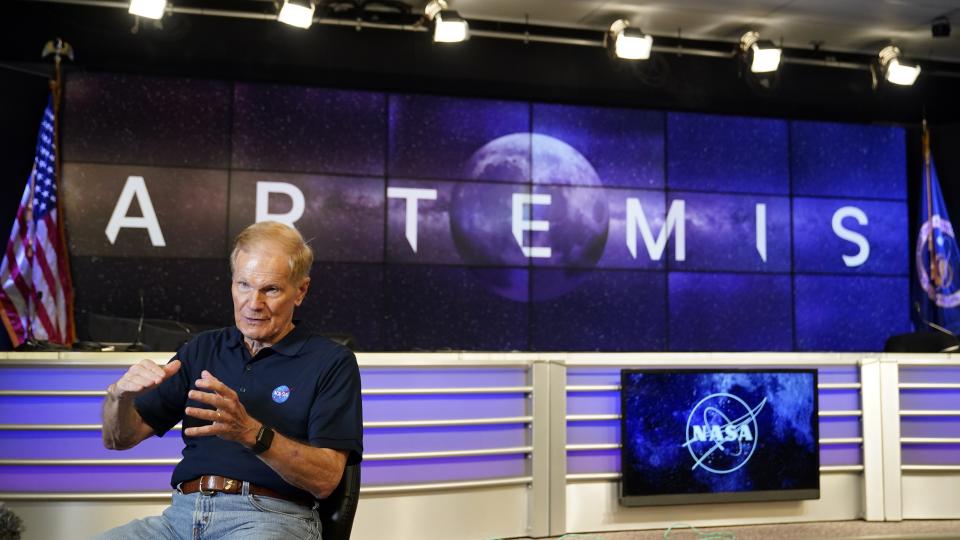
[578,215]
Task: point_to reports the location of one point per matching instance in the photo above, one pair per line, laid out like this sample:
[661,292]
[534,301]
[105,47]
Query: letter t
[412,195]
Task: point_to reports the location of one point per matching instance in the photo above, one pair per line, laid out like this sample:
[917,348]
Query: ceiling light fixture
[448,25]
[762,55]
[628,43]
[149,9]
[297,13]
[895,70]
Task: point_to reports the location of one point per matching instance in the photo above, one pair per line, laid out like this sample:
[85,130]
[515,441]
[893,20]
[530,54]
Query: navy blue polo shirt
[305,387]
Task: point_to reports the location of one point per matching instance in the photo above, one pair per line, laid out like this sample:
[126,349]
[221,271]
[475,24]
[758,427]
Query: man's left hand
[229,417]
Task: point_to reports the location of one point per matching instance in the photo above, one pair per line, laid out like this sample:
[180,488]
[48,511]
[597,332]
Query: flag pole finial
[58,48]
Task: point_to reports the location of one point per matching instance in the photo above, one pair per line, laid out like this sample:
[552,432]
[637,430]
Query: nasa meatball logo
[937,280]
[281,394]
[722,433]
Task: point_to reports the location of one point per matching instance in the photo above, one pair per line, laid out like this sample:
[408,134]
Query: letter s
[851,236]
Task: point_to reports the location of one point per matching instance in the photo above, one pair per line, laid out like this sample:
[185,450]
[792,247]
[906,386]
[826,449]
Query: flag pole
[60,48]
[934,263]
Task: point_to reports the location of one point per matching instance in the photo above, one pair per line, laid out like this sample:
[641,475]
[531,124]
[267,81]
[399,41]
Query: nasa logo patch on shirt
[281,393]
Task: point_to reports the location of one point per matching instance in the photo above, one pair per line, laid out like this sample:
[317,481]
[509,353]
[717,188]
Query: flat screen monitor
[707,436]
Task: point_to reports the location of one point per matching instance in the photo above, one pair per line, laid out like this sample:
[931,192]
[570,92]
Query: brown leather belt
[209,484]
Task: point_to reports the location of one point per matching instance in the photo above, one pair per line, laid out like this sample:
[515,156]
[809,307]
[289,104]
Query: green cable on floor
[713,535]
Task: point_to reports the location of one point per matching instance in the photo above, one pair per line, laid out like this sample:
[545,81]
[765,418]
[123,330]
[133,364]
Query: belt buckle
[202,490]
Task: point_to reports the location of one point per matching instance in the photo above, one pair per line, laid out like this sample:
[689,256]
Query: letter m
[675,221]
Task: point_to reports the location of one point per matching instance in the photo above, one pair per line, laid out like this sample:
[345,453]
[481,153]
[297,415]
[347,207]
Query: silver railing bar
[368,392]
[168,461]
[930,468]
[510,420]
[591,477]
[930,386]
[430,391]
[929,440]
[448,454]
[953,412]
[160,496]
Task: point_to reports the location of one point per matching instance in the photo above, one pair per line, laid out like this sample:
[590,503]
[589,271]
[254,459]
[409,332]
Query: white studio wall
[500,444]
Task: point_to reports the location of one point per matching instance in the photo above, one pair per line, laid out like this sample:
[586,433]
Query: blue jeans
[196,517]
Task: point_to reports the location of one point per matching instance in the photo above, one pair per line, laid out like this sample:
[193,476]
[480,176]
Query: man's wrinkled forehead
[261,251]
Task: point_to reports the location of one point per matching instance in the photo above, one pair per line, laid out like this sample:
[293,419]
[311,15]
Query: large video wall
[455,223]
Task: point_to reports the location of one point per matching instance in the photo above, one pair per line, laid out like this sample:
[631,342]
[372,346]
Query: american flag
[36,299]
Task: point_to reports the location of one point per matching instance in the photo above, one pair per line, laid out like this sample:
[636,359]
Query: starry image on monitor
[705,436]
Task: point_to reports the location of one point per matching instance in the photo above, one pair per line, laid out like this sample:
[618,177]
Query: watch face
[264,439]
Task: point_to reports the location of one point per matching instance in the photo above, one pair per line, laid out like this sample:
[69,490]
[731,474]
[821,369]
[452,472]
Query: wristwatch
[264,439]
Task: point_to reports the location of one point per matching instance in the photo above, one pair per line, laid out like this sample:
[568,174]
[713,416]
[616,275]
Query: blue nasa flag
[937,289]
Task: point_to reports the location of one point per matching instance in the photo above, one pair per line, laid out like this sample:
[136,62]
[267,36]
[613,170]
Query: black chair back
[921,342]
[337,510]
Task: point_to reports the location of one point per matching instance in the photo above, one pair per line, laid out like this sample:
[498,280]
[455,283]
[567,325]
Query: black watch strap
[264,439]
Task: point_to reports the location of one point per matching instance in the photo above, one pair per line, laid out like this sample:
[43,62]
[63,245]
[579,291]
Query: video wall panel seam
[566,211]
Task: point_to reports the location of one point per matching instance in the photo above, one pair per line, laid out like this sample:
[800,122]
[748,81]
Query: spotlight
[895,70]
[150,9]
[297,13]
[628,43]
[762,55]
[448,25]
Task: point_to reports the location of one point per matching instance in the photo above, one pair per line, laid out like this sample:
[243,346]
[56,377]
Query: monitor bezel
[665,499]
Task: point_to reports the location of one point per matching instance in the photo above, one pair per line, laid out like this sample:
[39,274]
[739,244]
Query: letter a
[135,187]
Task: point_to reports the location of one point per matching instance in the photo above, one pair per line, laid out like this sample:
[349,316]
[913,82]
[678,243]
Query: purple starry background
[434,242]
[729,312]
[203,145]
[848,160]
[342,218]
[449,307]
[727,153]
[818,250]
[190,205]
[609,311]
[722,233]
[625,147]
[617,252]
[434,137]
[305,129]
[160,121]
[849,313]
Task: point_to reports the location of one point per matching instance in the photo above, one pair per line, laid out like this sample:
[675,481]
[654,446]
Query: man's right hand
[141,378]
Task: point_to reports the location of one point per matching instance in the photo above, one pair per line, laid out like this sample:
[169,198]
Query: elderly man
[271,413]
